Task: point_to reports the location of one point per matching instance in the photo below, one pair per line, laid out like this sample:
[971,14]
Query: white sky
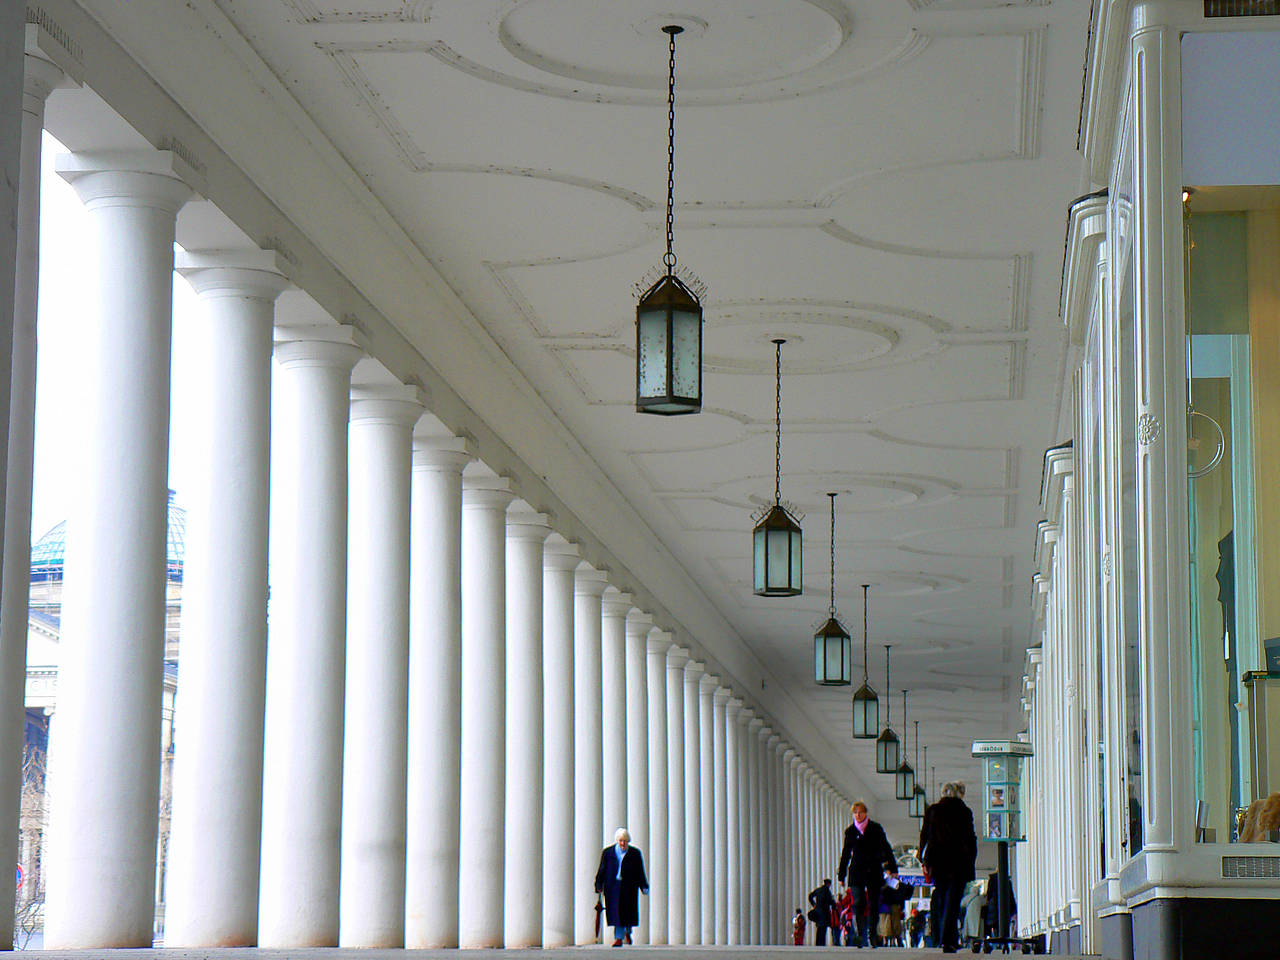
[66,305]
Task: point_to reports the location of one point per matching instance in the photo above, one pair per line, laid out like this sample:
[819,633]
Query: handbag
[814,914]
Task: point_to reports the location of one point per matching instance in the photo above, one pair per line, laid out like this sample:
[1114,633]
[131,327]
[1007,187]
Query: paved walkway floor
[668,953]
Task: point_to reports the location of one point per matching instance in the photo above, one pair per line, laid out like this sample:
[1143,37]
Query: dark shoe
[617,943]
[627,941]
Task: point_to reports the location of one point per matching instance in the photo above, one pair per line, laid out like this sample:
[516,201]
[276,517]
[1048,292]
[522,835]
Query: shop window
[1233,421]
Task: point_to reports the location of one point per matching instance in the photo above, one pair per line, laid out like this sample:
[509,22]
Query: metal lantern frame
[904,778]
[866,705]
[832,645]
[777,540]
[888,747]
[919,800]
[669,314]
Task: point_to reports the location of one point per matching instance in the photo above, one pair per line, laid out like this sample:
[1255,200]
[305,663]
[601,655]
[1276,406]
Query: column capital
[40,44]
[709,682]
[677,657]
[615,603]
[493,493]
[722,694]
[659,641]
[40,76]
[588,581]
[528,525]
[442,454]
[755,724]
[775,741]
[560,554]
[255,274]
[639,622]
[317,345]
[397,405]
[148,178]
[736,704]
[693,671]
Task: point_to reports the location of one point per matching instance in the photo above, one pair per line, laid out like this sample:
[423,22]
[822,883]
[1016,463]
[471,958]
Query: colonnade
[428,728]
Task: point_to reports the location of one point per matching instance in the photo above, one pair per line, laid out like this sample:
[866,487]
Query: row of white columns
[446,713]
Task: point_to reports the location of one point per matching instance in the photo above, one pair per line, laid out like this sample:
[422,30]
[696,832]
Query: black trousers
[948,892]
[820,934]
[866,897]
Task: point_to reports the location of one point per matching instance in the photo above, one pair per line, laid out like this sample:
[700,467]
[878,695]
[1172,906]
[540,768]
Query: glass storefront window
[1233,418]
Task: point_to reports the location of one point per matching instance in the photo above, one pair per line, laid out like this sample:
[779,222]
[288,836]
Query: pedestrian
[948,849]
[621,878]
[844,918]
[863,863]
[915,928]
[823,903]
[797,928]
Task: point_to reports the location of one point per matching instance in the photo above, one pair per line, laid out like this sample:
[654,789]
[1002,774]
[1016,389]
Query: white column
[636,753]
[522,905]
[39,78]
[757,805]
[707,780]
[482,832]
[775,911]
[787,862]
[102,843]
[435,693]
[614,607]
[656,646]
[559,560]
[588,770]
[732,829]
[676,659]
[720,798]
[375,750]
[216,831]
[693,675]
[747,879]
[302,780]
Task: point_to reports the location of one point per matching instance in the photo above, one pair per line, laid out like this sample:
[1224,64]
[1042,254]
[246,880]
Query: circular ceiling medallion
[620,43]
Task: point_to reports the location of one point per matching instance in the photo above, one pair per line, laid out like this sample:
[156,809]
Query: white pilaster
[559,560]
[733,815]
[614,607]
[216,830]
[302,781]
[522,913]
[588,769]
[375,752]
[482,832]
[40,76]
[636,753]
[693,674]
[757,805]
[676,659]
[657,643]
[435,693]
[707,780]
[102,843]
[721,799]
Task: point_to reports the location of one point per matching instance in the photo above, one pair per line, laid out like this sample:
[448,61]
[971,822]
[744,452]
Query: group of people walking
[948,851]
[868,871]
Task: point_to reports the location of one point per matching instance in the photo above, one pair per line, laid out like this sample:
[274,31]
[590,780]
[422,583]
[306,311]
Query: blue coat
[622,897]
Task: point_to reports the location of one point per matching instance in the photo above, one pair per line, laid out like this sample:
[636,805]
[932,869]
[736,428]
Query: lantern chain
[777,414]
[832,609]
[888,696]
[669,258]
[865,673]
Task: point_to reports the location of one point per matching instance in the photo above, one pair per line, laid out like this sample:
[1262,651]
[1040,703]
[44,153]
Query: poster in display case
[1002,788]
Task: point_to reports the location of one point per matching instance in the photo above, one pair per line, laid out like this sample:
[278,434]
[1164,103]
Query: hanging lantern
[888,749]
[866,705]
[831,644]
[920,800]
[777,539]
[669,316]
[904,778]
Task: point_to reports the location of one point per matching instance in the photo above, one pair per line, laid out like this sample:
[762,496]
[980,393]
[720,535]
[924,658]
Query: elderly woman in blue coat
[621,878]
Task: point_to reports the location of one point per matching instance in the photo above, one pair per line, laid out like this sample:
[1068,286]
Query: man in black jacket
[863,863]
[948,849]
[823,902]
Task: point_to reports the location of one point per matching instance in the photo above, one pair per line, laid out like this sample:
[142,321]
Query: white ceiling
[882,182]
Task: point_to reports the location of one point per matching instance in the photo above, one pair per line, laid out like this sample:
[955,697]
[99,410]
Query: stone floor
[673,953]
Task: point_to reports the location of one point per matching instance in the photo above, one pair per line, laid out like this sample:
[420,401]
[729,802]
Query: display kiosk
[1002,824]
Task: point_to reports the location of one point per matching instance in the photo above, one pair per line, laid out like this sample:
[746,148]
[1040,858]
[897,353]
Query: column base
[1067,940]
[1115,935]
[1188,928]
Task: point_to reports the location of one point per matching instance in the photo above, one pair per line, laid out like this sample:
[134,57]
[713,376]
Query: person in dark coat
[621,878]
[992,907]
[948,849]
[863,862]
[823,902]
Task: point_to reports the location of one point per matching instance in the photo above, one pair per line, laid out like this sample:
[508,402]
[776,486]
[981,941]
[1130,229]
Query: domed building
[44,621]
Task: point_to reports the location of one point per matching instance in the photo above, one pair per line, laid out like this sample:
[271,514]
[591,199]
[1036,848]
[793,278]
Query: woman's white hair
[621,834]
[954,789]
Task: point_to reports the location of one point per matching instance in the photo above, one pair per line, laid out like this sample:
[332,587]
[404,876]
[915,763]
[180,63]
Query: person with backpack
[822,903]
